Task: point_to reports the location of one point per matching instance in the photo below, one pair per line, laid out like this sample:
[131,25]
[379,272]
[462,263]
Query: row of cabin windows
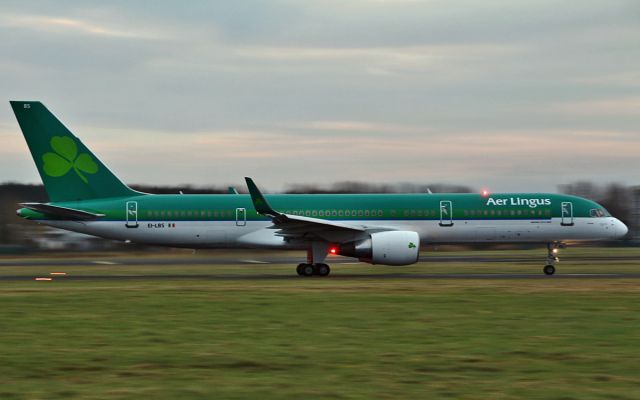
[349,213]
[337,213]
[191,214]
[499,213]
[309,213]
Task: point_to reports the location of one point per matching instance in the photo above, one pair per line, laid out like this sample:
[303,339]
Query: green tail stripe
[69,170]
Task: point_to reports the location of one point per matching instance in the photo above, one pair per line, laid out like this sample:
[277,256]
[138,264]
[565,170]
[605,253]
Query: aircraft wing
[306,228]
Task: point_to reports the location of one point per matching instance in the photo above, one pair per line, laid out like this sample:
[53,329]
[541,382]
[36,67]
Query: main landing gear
[552,258]
[316,253]
[319,269]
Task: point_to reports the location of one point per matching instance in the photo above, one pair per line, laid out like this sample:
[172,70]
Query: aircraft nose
[621,229]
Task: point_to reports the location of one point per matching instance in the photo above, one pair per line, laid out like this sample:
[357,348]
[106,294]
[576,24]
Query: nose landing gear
[549,269]
[552,258]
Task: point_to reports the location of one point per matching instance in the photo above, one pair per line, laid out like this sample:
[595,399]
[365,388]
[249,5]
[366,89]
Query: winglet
[232,190]
[259,202]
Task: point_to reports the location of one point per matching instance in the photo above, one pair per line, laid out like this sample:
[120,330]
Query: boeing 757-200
[387,229]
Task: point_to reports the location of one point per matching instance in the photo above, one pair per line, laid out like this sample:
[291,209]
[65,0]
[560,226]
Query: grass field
[351,338]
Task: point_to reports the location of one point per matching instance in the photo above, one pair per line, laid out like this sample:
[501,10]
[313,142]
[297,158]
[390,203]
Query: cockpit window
[597,213]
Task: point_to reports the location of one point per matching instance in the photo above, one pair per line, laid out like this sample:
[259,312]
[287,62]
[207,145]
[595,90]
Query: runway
[90,270]
[281,260]
[273,277]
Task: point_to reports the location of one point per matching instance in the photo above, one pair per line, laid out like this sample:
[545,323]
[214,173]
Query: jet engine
[387,248]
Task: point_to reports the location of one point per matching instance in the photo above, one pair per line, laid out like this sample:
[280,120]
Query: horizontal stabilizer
[61,212]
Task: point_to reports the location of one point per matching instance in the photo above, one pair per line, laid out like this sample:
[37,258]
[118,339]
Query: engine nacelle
[387,248]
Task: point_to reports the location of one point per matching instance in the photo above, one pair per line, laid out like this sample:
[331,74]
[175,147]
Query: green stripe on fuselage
[337,206]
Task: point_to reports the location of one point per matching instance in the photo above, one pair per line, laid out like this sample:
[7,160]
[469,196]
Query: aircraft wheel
[549,270]
[299,269]
[307,270]
[322,269]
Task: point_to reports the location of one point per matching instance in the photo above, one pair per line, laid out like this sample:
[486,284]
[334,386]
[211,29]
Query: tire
[322,269]
[299,269]
[549,270]
[307,270]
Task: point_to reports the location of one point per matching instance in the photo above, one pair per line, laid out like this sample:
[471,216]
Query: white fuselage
[258,234]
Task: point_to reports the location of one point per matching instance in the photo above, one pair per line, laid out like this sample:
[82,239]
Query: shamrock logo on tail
[412,245]
[65,157]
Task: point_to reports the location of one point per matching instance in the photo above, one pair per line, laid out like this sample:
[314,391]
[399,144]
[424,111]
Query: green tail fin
[68,169]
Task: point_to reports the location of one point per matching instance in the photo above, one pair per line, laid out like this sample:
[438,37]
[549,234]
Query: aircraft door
[446,213]
[132,214]
[241,216]
[567,213]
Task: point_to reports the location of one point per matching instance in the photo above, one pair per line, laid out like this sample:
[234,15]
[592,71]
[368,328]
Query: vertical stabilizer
[69,170]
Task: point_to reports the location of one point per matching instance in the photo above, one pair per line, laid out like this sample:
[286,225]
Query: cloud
[525,94]
[369,127]
[54,24]
[612,107]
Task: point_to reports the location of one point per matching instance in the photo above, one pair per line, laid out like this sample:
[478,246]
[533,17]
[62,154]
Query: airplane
[381,229]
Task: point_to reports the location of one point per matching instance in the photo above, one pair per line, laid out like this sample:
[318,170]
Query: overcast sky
[505,94]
